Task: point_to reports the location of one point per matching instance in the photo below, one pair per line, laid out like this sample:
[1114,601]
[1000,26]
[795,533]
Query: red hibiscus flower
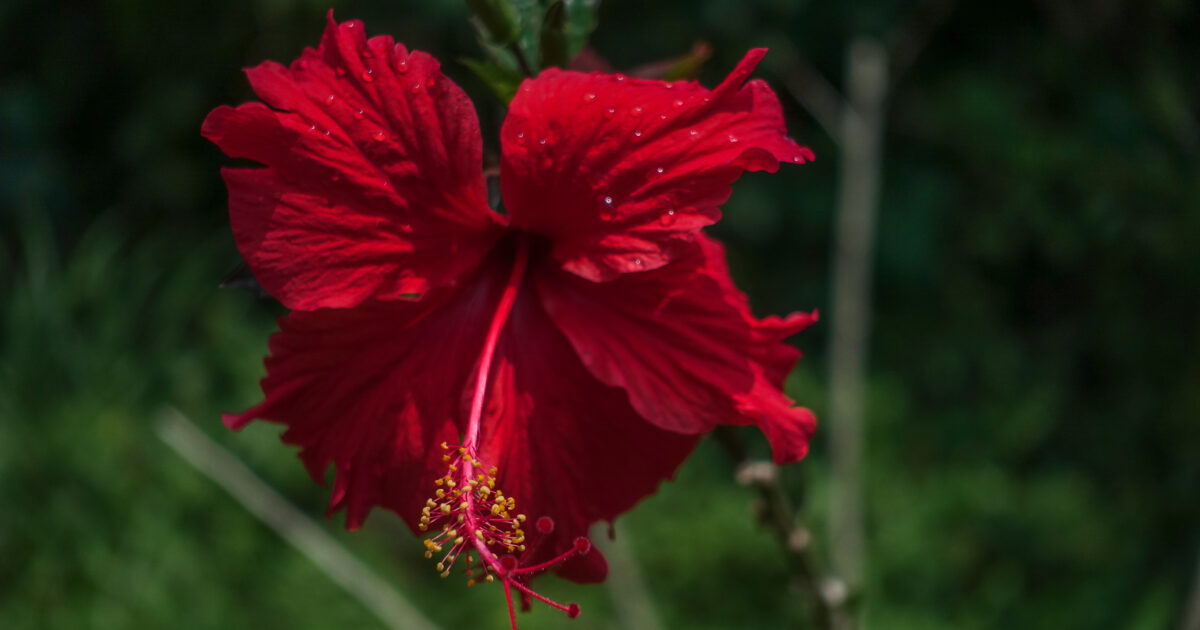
[454,362]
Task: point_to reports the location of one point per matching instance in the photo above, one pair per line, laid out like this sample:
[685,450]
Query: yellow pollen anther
[489,579]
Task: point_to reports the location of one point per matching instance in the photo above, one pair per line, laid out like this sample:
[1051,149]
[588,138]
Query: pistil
[467,508]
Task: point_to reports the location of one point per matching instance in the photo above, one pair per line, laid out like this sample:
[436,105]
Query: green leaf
[498,19]
[554,36]
[501,80]
[581,21]
[530,13]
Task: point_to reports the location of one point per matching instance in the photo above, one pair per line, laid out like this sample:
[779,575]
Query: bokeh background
[1033,393]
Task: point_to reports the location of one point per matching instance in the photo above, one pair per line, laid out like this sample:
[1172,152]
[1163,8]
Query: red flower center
[470,510]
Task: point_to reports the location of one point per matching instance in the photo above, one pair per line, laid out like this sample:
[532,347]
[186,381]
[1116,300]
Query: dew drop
[667,218]
[341,72]
[670,86]
[379,136]
[367,53]
[328,133]
[521,138]
[677,104]
[637,111]
[608,201]
[797,159]
[619,77]
[542,142]
[402,66]
[431,81]
[706,100]
[416,88]
[358,115]
[637,133]
[732,138]
[335,179]
[330,99]
[590,97]
[368,75]
[659,170]
[693,133]
[610,112]
[637,261]
[312,127]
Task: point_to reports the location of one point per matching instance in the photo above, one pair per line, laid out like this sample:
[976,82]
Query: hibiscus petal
[682,342]
[374,184]
[376,389]
[373,390]
[621,173]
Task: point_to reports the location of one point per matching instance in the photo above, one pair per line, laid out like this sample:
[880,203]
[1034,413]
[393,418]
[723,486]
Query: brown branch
[815,93]
[781,519]
[631,598]
[1191,614]
[268,506]
[906,41]
[862,129]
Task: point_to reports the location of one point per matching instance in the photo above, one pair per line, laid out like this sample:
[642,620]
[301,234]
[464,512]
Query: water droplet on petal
[328,133]
[637,261]
[590,97]
[636,112]
[312,127]
[670,86]
[610,112]
[608,201]
[521,138]
[341,72]
[542,142]
[379,136]
[330,99]
[693,133]
[797,159]
[667,218]
[662,116]
[637,133]
[367,53]
[368,75]
[335,178]
[619,77]
[431,81]
[732,138]
[402,66]
[416,88]
[358,115]
[659,170]
[677,104]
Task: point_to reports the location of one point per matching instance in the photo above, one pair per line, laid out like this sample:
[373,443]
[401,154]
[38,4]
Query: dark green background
[1034,391]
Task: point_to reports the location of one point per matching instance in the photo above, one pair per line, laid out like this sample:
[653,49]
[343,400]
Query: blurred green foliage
[1034,407]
